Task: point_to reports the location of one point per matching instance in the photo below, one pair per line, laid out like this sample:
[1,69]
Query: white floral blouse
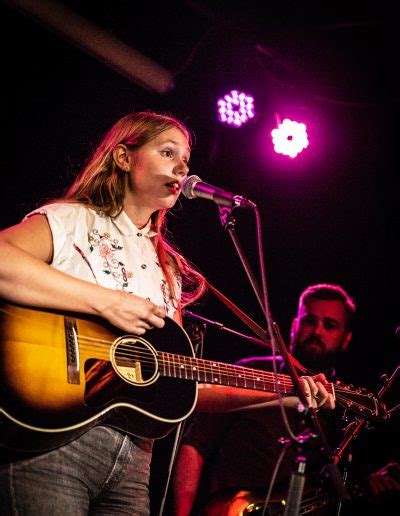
[111,252]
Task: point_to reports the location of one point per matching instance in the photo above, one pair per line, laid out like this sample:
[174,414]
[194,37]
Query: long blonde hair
[101,185]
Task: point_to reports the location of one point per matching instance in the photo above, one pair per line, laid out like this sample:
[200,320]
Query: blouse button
[143,266]
[139,234]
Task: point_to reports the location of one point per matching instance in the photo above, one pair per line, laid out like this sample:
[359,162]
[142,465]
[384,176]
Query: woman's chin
[166,204]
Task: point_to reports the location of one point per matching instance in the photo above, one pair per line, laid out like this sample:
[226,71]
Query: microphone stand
[298,478]
[221,327]
[228,223]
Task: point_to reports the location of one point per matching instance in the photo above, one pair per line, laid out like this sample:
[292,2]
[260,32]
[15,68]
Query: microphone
[193,187]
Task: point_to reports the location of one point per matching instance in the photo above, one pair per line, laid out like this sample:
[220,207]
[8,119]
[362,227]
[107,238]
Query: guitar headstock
[360,401]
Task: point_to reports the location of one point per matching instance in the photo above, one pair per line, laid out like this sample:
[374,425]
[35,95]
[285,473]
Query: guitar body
[61,374]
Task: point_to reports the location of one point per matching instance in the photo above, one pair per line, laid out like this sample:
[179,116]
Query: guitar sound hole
[134,361]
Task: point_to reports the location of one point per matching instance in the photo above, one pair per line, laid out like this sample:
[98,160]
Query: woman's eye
[168,153]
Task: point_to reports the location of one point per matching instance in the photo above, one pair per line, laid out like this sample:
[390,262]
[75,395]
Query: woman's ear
[121,157]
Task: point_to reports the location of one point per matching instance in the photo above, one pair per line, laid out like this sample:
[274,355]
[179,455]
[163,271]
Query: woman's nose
[182,169]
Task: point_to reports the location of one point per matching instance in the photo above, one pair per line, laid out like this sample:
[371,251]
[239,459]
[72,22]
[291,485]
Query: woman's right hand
[131,313]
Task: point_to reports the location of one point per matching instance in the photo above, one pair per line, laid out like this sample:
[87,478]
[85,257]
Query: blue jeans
[101,472]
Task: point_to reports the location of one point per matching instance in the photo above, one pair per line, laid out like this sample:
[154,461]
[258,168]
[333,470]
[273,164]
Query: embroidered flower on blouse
[105,251]
[107,248]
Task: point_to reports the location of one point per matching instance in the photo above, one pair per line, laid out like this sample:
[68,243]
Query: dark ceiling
[340,50]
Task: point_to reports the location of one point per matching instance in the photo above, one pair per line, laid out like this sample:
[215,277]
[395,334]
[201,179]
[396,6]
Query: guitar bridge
[71,341]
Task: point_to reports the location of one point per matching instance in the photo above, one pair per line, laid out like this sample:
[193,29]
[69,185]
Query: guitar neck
[209,371]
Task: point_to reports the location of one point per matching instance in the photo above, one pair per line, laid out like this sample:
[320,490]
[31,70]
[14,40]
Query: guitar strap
[258,330]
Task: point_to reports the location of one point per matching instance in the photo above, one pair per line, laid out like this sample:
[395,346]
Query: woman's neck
[139,216]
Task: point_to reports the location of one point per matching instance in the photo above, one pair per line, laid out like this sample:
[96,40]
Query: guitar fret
[167,355]
[185,368]
[207,374]
[204,376]
[224,375]
[259,382]
[190,369]
[253,380]
[169,363]
[162,368]
[279,384]
[242,378]
[179,367]
[206,371]
[215,378]
[194,367]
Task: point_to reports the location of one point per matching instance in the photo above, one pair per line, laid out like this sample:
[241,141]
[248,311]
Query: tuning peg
[345,417]
[349,387]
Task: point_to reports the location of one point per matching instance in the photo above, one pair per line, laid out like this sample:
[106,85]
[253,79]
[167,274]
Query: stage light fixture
[290,138]
[235,108]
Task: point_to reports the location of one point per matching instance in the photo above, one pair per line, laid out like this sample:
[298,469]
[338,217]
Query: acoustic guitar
[63,373]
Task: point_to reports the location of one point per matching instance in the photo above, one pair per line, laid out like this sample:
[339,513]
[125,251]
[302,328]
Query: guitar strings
[201,366]
[168,360]
[207,367]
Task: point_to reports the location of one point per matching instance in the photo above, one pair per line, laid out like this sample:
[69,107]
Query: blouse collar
[126,227]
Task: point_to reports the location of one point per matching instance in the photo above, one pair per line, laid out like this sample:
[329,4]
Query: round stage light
[235,108]
[290,138]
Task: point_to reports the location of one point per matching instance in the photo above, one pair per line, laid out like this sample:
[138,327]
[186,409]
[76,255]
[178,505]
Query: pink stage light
[235,108]
[290,138]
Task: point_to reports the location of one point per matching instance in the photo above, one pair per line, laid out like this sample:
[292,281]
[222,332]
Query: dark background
[328,216]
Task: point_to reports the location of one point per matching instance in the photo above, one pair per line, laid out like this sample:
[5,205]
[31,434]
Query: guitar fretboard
[209,371]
